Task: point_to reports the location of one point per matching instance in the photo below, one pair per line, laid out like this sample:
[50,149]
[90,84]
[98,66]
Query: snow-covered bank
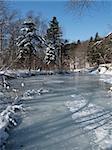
[24,73]
[13,74]
[105,72]
[103,69]
[86,70]
[8,120]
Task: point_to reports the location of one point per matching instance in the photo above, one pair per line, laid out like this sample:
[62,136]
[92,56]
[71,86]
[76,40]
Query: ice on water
[94,120]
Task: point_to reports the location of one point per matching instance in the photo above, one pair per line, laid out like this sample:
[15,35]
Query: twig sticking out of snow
[7,121]
[5,83]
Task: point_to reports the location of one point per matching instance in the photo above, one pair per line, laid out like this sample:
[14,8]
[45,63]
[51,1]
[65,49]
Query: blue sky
[97,19]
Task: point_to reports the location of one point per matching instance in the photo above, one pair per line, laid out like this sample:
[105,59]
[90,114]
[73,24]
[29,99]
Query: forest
[45,46]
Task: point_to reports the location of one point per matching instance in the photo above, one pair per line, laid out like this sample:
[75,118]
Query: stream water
[75,114]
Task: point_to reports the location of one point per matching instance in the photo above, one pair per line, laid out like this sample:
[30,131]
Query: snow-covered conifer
[53,37]
[50,55]
[27,40]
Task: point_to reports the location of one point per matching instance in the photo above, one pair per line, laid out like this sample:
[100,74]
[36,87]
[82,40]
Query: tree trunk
[60,60]
[30,62]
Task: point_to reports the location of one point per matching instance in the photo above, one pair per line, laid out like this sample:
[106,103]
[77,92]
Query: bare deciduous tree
[79,6]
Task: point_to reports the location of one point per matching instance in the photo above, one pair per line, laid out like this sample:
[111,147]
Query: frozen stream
[76,114]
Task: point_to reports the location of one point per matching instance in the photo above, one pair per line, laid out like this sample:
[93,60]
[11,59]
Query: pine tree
[78,42]
[91,39]
[97,37]
[53,37]
[27,41]
[50,55]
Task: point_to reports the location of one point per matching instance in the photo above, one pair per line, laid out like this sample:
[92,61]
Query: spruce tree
[97,37]
[78,42]
[29,42]
[26,40]
[50,55]
[54,38]
[91,39]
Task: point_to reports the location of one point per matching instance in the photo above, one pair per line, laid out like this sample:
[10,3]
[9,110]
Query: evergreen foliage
[54,36]
[97,37]
[78,42]
[91,39]
[28,40]
[25,41]
[50,55]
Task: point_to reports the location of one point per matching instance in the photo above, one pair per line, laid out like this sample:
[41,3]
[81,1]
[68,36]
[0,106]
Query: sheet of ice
[1,95]
[54,81]
[92,119]
[106,78]
[76,105]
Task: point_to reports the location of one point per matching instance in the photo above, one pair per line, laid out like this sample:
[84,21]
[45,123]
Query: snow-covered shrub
[42,91]
[7,121]
[35,91]
[30,93]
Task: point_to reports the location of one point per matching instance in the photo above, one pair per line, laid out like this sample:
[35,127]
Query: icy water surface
[74,114]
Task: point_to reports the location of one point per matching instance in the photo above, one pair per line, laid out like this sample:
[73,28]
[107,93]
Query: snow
[22,84]
[103,69]
[91,70]
[105,72]
[34,92]
[92,118]
[98,42]
[24,73]
[50,55]
[108,34]
[7,121]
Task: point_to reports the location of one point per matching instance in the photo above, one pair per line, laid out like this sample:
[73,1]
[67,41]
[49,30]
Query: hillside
[90,52]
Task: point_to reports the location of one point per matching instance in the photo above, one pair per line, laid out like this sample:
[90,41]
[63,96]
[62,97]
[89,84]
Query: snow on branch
[8,120]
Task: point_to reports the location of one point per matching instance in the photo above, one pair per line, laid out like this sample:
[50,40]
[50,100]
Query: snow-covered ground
[24,73]
[105,72]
